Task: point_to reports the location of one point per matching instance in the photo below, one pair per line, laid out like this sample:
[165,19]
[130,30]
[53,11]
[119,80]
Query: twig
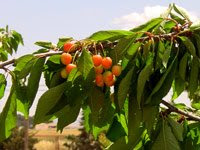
[176,110]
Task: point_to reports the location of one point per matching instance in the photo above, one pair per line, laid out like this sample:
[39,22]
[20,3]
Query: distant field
[53,133]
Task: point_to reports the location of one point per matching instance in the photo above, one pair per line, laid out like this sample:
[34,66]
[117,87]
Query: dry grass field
[49,139]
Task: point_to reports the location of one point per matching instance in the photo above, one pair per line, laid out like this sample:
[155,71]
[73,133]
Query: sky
[49,19]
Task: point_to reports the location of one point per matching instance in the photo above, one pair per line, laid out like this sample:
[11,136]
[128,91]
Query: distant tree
[16,141]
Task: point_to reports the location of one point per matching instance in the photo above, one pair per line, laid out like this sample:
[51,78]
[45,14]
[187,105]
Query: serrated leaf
[110,35]
[164,84]
[34,79]
[178,87]
[67,117]
[143,77]
[3,84]
[22,61]
[166,54]
[181,12]
[124,88]
[63,40]
[8,117]
[85,66]
[166,139]
[176,128]
[194,73]
[49,98]
[116,130]
[189,45]
[148,26]
[183,66]
[150,114]
[124,45]
[45,44]
[197,39]
[17,37]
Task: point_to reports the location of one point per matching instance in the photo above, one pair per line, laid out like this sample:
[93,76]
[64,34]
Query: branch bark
[176,110]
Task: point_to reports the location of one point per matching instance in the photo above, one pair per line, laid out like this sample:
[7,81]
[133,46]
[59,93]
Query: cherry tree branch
[176,110]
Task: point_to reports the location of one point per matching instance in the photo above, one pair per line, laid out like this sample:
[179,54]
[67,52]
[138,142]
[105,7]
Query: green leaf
[45,44]
[176,128]
[121,144]
[143,77]
[125,45]
[3,84]
[166,139]
[110,35]
[116,130]
[18,37]
[195,26]
[49,98]
[85,66]
[181,12]
[166,54]
[164,84]
[63,40]
[197,40]
[135,120]
[178,87]
[34,79]
[8,116]
[148,26]
[150,113]
[194,73]
[183,66]
[67,116]
[124,88]
[22,61]
[189,45]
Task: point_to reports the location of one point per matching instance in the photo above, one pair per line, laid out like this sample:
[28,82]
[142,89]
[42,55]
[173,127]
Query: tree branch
[176,110]
[107,44]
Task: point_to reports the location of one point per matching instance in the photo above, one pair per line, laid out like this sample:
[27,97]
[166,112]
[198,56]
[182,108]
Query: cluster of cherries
[105,73]
[66,59]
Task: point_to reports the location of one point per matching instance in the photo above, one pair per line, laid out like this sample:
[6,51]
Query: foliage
[155,57]
[16,141]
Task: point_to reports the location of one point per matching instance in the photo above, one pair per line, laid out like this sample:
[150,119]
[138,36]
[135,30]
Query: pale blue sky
[51,19]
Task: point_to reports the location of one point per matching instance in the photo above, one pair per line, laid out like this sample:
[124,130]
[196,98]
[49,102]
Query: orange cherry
[66,58]
[63,73]
[107,76]
[99,80]
[97,59]
[110,83]
[107,62]
[99,69]
[116,70]
[68,46]
[69,67]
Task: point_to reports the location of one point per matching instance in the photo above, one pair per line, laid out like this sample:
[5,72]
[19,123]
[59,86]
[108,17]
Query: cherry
[99,69]
[107,62]
[107,76]
[66,58]
[97,59]
[116,70]
[63,73]
[110,83]
[68,46]
[99,80]
[69,67]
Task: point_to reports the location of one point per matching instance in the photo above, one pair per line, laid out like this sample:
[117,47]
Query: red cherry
[70,67]
[110,83]
[97,59]
[116,70]
[66,58]
[68,46]
[107,62]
